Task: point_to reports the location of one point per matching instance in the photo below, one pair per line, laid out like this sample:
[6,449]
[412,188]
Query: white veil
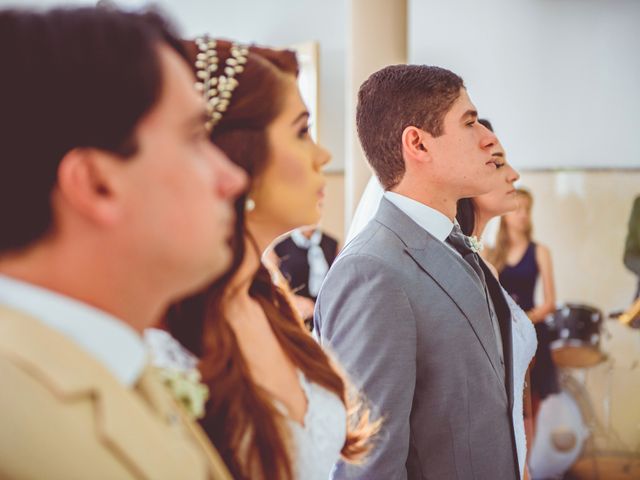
[367,208]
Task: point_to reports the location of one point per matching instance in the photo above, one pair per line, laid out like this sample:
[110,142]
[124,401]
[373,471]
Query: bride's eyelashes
[304,131]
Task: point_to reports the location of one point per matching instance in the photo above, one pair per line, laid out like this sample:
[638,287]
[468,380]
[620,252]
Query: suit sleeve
[364,317]
[632,245]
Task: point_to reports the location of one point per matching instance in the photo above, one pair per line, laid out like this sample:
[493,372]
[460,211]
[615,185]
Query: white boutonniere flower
[187,388]
[475,244]
[178,369]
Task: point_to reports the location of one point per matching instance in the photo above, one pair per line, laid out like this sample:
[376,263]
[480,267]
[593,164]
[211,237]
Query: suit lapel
[453,276]
[156,394]
[126,412]
[138,433]
[504,318]
[441,265]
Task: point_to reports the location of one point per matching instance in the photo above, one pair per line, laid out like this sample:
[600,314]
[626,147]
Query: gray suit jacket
[403,315]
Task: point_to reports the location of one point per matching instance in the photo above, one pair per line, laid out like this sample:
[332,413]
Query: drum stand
[586,432]
[615,462]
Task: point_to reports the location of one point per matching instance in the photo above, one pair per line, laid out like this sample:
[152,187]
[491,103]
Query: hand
[537,315]
[304,305]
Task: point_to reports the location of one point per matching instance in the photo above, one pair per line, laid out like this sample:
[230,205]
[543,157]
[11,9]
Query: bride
[278,405]
[473,215]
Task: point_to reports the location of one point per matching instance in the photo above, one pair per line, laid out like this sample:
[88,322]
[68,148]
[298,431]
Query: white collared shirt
[111,341]
[434,222]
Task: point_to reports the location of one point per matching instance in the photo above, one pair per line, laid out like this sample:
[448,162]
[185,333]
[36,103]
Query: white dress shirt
[111,341]
[430,219]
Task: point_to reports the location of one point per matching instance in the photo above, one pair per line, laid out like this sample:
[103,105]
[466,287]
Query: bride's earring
[249,205]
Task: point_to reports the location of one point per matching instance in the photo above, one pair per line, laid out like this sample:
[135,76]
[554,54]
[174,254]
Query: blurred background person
[304,258]
[632,244]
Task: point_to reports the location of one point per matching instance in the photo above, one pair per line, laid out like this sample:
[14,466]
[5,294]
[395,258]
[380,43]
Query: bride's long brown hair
[241,419]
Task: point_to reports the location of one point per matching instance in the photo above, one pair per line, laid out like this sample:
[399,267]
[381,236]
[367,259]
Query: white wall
[559,79]
[278,23]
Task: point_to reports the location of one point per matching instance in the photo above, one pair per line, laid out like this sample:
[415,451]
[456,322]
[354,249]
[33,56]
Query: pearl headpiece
[217,89]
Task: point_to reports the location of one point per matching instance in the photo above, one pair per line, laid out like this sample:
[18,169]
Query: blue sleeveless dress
[520,281]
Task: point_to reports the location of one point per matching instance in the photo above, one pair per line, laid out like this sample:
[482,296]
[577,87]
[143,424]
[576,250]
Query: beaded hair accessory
[217,89]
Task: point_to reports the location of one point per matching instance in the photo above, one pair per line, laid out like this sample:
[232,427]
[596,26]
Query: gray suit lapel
[504,317]
[438,262]
[453,276]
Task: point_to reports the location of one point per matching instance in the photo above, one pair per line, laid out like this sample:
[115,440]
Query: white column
[377,36]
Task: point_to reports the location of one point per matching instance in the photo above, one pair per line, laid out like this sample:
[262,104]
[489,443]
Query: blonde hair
[497,256]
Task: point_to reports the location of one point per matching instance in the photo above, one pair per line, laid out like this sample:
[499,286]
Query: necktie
[318,266]
[460,242]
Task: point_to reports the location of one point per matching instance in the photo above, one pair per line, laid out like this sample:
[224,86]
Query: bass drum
[559,438]
[576,336]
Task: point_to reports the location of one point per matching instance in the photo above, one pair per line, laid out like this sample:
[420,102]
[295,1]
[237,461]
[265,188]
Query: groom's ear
[415,144]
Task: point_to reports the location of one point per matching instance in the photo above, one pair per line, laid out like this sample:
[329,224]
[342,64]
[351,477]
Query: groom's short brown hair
[396,97]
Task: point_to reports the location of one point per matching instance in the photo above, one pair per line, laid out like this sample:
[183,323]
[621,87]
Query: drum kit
[591,429]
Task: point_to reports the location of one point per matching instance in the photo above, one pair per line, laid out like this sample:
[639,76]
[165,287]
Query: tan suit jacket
[64,416]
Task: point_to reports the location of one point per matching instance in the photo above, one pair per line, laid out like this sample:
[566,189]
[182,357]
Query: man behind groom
[410,310]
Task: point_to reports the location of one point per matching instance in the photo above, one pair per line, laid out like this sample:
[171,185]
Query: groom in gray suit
[410,310]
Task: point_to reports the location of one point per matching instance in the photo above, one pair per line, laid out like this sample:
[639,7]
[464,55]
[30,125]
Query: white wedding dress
[524,344]
[523,335]
[317,442]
